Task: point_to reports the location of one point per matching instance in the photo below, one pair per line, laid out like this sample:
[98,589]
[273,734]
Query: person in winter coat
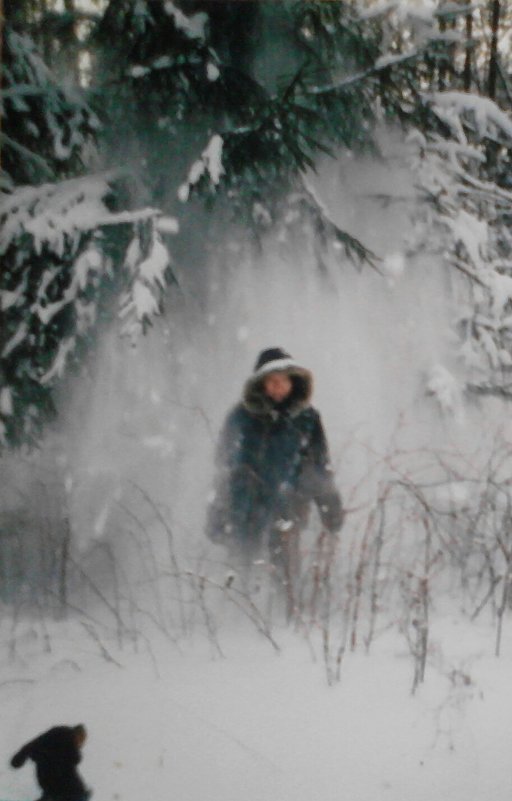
[272,462]
[56,753]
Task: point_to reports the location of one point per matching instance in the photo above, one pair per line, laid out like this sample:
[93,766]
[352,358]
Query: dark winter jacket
[272,461]
[56,755]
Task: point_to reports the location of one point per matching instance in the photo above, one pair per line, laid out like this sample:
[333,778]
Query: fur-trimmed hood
[254,398]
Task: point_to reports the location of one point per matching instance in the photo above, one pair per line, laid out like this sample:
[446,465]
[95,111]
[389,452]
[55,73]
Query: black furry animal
[56,753]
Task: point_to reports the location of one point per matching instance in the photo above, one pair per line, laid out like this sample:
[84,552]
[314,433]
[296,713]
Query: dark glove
[218,529]
[331,512]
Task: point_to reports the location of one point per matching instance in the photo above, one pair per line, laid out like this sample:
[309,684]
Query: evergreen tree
[196,89]
[66,243]
[221,111]
[66,234]
[471,228]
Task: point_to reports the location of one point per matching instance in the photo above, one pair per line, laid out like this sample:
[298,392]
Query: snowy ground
[262,726]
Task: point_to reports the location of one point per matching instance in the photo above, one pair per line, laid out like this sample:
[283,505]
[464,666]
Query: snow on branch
[466,217]
[26,153]
[454,108]
[56,214]
[473,233]
[374,10]
[193,27]
[209,164]
[327,227]
[65,348]
[148,271]
[36,107]
[63,252]
[384,62]
[443,385]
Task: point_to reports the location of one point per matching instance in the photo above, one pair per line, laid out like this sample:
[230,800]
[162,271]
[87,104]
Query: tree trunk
[441,79]
[69,43]
[493,56]
[2,23]
[469,47]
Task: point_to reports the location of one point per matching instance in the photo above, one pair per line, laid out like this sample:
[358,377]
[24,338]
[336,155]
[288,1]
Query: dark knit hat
[273,359]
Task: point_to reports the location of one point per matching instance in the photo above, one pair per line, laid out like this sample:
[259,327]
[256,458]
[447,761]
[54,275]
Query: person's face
[277,386]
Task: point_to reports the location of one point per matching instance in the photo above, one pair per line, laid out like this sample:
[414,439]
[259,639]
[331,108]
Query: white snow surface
[261,726]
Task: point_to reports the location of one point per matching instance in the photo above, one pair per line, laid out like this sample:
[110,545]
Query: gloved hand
[331,512]
[218,529]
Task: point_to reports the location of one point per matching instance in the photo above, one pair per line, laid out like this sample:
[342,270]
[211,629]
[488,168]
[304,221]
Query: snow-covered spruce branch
[25,152]
[21,90]
[424,13]
[467,210]
[495,390]
[383,63]
[327,227]
[52,213]
[208,167]
[455,108]
[487,188]
[191,28]
[39,114]
[63,249]
[209,170]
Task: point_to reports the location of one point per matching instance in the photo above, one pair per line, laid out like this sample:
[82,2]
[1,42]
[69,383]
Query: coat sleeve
[323,489]
[219,522]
